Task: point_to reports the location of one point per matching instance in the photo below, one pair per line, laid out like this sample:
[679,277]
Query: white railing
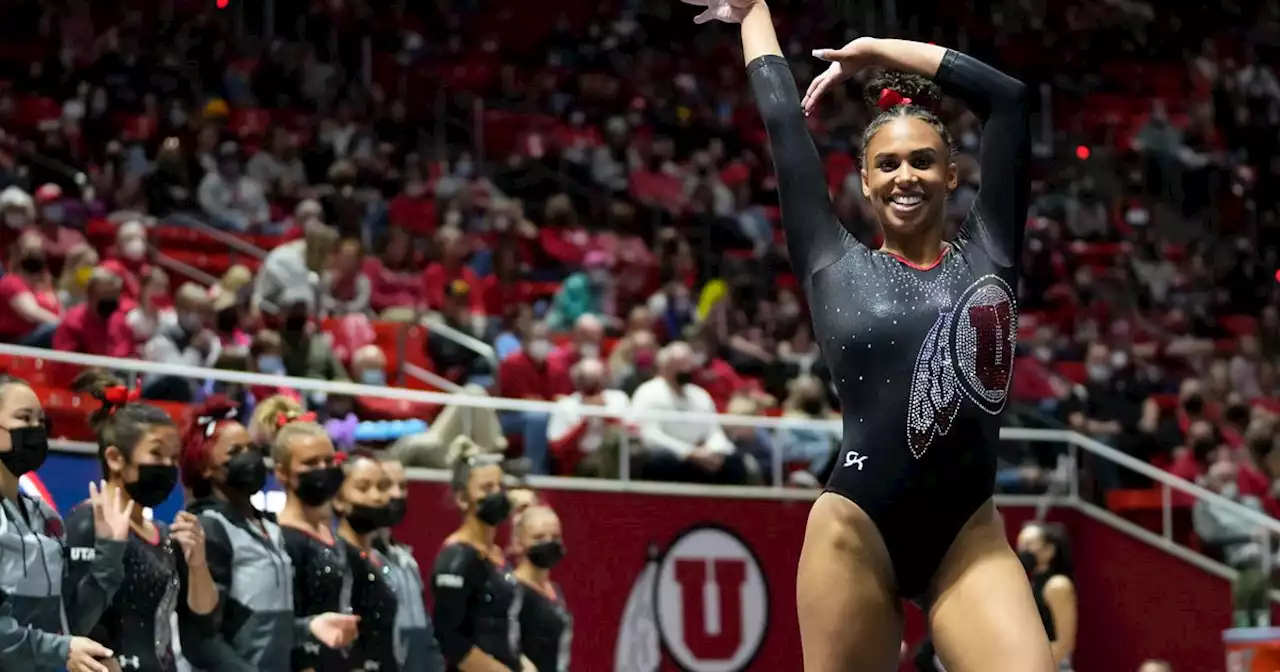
[1268,528]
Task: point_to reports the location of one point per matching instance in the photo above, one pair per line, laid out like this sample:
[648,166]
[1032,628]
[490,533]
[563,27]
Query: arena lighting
[1277,275]
[1082,152]
[222,4]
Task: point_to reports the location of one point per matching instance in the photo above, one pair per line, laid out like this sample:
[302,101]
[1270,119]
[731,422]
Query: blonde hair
[264,425]
[290,432]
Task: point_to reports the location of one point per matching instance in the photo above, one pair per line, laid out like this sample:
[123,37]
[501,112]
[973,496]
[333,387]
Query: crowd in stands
[603,231]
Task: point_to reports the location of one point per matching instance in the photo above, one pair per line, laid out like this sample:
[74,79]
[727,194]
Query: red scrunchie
[283,419]
[119,395]
[890,99]
[339,459]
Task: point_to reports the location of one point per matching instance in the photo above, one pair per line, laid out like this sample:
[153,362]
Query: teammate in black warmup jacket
[919,337]
[33,596]
[416,647]
[546,626]
[245,550]
[477,599]
[165,570]
[305,466]
[361,507]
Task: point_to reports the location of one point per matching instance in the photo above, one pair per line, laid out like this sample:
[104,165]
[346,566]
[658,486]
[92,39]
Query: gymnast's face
[907,176]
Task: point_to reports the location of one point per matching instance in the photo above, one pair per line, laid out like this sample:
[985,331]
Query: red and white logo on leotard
[969,350]
[705,600]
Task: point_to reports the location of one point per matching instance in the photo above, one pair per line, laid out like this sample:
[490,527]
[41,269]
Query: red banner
[636,579]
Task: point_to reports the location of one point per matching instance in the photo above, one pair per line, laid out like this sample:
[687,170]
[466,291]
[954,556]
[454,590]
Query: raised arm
[815,237]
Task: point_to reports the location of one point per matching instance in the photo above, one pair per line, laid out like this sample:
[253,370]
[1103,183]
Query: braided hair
[900,94]
[120,420]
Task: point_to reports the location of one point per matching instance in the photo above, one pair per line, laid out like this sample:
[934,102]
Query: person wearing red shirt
[59,238]
[588,338]
[130,261]
[97,326]
[29,306]
[395,281]
[503,287]
[451,246]
[525,374]
[562,239]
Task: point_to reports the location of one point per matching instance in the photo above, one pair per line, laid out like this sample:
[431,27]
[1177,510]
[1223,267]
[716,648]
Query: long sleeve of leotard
[815,237]
[1000,101]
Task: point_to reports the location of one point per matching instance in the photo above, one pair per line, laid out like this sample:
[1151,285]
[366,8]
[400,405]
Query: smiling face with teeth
[907,174]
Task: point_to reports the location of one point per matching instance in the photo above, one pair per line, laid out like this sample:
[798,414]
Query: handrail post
[624,455]
[1166,512]
[1073,470]
[775,456]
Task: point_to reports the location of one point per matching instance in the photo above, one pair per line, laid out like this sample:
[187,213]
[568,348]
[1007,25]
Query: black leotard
[477,604]
[546,630]
[921,357]
[373,599]
[137,625]
[321,583]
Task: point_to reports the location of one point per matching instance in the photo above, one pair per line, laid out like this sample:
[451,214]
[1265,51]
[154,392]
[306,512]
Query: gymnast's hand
[728,11]
[845,63]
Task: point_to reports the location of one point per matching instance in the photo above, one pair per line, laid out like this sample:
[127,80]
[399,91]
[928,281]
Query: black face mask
[1238,415]
[812,407]
[32,264]
[227,321]
[246,474]
[684,378]
[546,555]
[1193,405]
[366,519]
[318,486]
[396,509]
[295,324]
[493,508]
[1028,560]
[155,483]
[29,448]
[106,307]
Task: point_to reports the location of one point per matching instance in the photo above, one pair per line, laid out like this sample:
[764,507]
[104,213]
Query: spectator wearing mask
[369,367]
[546,625]
[583,294]
[18,212]
[291,273]
[266,356]
[344,288]
[186,341]
[1225,533]
[97,326]
[638,344]
[810,447]
[130,259]
[228,323]
[524,374]
[1198,450]
[587,342]
[1046,555]
[29,307]
[450,267]
[74,279]
[53,225]
[453,359]
[307,353]
[233,200]
[395,281]
[154,311]
[690,450]
[587,445]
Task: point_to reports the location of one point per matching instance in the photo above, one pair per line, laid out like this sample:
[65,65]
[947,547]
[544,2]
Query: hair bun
[922,91]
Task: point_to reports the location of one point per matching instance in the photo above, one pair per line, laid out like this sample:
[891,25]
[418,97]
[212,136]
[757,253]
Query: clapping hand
[111,515]
[85,655]
[189,533]
[845,63]
[728,11]
[335,630]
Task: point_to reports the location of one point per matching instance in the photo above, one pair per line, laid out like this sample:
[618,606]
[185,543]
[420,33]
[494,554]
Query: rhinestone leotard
[921,357]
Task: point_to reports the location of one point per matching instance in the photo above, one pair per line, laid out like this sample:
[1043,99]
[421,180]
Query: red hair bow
[890,99]
[339,459]
[119,395]
[283,419]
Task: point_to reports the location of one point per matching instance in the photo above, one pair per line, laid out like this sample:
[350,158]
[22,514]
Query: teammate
[165,564]
[32,636]
[245,552]
[361,507]
[1046,555]
[546,626]
[919,337]
[305,466]
[477,599]
[416,647]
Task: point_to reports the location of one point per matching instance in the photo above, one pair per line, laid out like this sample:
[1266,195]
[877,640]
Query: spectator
[587,342]
[453,359]
[130,260]
[169,188]
[291,273]
[228,323]
[583,294]
[587,445]
[692,450]
[369,366]
[266,356]
[29,307]
[154,311]
[1224,532]
[517,327]
[54,225]
[231,199]
[18,211]
[1192,458]
[345,289]
[308,354]
[277,168]
[503,287]
[186,340]
[76,271]
[395,281]
[450,266]
[810,447]
[634,347]
[97,326]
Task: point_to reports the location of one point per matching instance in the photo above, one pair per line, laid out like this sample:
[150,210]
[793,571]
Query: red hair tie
[340,458]
[890,99]
[283,419]
[119,395]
